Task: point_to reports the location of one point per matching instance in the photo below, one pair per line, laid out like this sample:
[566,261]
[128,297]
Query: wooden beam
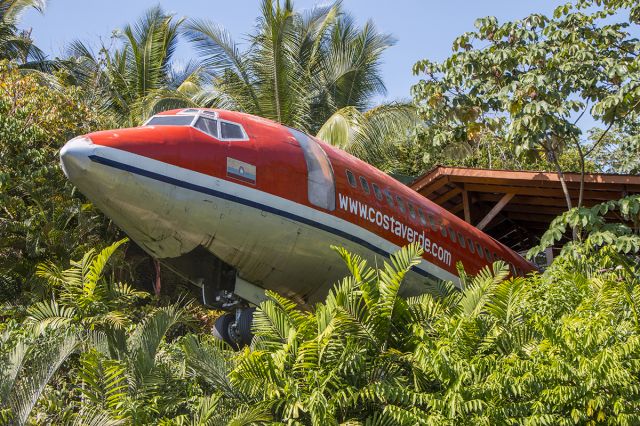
[469,174]
[495,210]
[542,192]
[528,218]
[447,196]
[527,200]
[465,206]
[457,209]
[539,210]
[429,188]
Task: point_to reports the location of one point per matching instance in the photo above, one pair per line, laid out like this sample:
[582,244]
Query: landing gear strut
[234,328]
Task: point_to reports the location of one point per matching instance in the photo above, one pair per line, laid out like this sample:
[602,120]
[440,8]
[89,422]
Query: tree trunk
[563,183]
[582,171]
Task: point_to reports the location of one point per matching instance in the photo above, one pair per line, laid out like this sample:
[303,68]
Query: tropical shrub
[39,209]
[513,94]
[558,347]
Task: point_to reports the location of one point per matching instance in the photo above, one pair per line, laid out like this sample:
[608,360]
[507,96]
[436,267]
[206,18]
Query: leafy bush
[561,347]
[41,215]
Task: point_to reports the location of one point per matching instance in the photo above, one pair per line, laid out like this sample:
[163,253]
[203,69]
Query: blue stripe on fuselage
[249,203]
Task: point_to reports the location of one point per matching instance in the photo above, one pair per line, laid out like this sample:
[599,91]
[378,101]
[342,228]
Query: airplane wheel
[222,329]
[243,326]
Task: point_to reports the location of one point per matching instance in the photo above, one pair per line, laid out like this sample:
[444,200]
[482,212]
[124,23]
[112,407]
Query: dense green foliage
[521,88]
[557,348]
[41,215]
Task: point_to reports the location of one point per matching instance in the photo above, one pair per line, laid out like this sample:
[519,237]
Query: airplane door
[321,186]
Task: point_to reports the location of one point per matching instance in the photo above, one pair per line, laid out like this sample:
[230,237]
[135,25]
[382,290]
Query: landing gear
[222,288]
[235,328]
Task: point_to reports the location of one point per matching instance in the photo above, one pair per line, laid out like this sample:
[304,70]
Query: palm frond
[211,362]
[12,10]
[93,273]
[479,292]
[96,417]
[49,314]
[144,342]
[104,381]
[33,380]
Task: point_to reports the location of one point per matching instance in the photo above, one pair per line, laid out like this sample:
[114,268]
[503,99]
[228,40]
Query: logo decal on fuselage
[396,227]
[240,170]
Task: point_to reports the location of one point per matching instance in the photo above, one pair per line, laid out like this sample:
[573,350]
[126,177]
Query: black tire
[221,328]
[244,326]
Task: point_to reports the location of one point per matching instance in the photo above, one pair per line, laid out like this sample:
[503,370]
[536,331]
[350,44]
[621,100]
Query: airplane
[238,204]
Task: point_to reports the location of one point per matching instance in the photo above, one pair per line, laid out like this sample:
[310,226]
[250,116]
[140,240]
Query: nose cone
[75,158]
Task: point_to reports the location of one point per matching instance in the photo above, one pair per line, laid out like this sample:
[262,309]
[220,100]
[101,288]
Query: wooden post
[156,283]
[465,205]
[495,210]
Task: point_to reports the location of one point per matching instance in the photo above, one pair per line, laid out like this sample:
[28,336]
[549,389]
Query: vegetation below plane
[238,204]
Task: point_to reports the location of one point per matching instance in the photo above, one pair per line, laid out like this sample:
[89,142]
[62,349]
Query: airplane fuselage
[267,200]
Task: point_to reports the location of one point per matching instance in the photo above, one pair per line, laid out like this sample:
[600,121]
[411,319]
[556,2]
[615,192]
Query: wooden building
[516,207]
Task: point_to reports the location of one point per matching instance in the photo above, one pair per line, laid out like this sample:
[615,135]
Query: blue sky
[422,28]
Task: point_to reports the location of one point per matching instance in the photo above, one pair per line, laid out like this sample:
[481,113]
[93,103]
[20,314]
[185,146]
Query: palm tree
[123,383]
[27,369]
[327,367]
[316,71]
[82,296]
[125,81]
[369,356]
[17,45]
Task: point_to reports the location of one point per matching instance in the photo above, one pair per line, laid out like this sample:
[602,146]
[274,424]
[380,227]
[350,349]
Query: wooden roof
[516,207]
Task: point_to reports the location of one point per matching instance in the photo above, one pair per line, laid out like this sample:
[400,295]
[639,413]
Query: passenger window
[432,221]
[208,126]
[376,191]
[487,254]
[400,203]
[470,244]
[423,219]
[364,184]
[452,234]
[389,198]
[479,250]
[351,178]
[231,130]
[412,211]
[461,239]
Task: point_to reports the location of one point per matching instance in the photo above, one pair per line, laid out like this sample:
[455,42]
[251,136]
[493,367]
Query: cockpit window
[170,120]
[231,130]
[205,121]
[208,125]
